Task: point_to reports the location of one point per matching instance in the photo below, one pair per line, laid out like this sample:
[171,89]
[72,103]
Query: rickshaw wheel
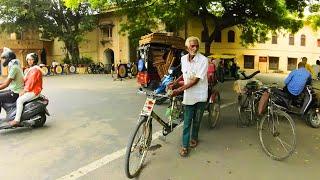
[58,69]
[122,71]
[134,70]
[214,110]
[45,70]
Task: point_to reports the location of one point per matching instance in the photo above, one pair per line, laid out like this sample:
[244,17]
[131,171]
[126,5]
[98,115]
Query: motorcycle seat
[285,98]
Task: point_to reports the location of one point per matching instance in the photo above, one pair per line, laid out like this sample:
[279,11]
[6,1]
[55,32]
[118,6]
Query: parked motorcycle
[33,115]
[306,104]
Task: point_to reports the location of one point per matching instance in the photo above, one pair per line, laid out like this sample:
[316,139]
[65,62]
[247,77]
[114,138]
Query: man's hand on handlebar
[173,85]
[175,92]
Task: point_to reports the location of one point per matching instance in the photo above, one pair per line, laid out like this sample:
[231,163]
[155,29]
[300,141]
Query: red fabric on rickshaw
[143,78]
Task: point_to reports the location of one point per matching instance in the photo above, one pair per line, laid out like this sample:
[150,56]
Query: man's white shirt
[196,68]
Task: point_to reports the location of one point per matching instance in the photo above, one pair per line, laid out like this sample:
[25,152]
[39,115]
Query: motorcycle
[306,104]
[33,115]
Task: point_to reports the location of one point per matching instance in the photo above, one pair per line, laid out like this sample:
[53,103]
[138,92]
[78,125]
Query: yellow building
[103,44]
[280,53]
[24,43]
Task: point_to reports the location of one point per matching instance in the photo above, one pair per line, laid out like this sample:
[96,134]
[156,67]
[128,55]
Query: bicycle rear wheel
[137,148]
[277,135]
[214,112]
[245,110]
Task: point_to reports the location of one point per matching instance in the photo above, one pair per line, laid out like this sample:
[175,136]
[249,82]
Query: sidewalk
[225,153]
[228,153]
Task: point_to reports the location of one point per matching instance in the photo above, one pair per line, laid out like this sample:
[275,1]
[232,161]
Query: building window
[291,39]
[106,30]
[263,59]
[292,64]
[231,35]
[274,38]
[262,38]
[248,62]
[217,37]
[303,40]
[318,42]
[273,63]
[19,36]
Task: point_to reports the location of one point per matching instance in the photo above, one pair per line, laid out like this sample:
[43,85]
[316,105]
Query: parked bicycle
[141,138]
[277,129]
[248,99]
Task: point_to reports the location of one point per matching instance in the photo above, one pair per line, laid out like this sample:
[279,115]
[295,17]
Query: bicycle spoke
[283,143]
[271,127]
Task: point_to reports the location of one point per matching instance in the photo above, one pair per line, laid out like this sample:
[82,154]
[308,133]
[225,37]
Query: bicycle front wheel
[137,148]
[277,135]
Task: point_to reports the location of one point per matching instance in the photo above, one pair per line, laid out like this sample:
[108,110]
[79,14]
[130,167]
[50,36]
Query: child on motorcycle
[32,88]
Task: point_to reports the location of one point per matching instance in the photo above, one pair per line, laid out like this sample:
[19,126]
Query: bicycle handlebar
[141,91]
[250,76]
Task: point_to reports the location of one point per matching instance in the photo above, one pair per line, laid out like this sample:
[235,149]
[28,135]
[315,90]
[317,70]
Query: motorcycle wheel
[312,119]
[40,122]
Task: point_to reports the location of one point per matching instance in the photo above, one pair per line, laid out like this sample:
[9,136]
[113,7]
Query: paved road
[92,116]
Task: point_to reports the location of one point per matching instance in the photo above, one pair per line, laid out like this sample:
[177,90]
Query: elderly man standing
[194,68]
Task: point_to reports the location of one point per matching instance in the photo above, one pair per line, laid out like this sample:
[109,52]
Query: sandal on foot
[193,143]
[183,152]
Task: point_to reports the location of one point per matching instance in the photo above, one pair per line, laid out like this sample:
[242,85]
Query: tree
[255,18]
[51,18]
[314,18]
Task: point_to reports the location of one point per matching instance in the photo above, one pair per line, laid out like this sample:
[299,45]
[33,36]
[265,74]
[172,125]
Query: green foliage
[85,60]
[314,18]
[254,17]
[66,60]
[51,18]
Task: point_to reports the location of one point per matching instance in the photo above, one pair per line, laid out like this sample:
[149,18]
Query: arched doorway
[109,59]
[43,56]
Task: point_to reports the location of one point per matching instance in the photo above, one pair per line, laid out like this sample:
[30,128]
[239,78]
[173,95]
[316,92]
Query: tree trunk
[73,49]
[207,48]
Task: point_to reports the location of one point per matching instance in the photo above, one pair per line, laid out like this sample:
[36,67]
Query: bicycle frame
[147,111]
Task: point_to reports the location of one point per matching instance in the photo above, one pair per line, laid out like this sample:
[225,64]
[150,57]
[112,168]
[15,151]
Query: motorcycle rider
[14,81]
[32,88]
[297,80]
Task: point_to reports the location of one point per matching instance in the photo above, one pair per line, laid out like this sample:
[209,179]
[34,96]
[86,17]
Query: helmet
[33,56]
[8,55]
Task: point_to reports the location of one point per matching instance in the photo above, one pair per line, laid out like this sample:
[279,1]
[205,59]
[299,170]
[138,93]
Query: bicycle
[141,137]
[248,98]
[276,125]
[247,104]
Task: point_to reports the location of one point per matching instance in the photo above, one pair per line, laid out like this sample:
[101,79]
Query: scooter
[306,104]
[33,115]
